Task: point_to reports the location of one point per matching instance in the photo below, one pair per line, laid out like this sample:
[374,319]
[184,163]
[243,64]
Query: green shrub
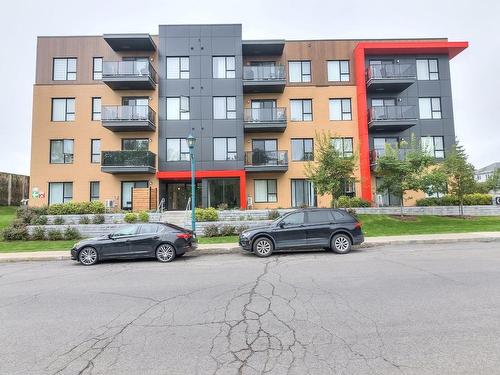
[71,233]
[58,220]
[143,216]
[227,230]
[241,228]
[84,220]
[211,230]
[98,219]
[347,202]
[76,208]
[206,214]
[26,214]
[130,217]
[54,235]
[273,214]
[38,234]
[475,199]
[15,233]
[39,220]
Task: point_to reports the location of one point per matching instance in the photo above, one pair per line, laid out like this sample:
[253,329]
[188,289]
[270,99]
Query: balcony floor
[264,86]
[128,169]
[266,168]
[130,83]
[392,85]
[265,126]
[391,125]
[129,125]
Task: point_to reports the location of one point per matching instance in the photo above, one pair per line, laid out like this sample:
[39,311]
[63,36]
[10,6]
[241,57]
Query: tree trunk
[461,208]
[401,207]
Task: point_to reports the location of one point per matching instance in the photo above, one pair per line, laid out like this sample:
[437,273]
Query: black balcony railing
[264,73]
[127,113]
[277,114]
[128,159]
[128,69]
[266,158]
[391,71]
[392,113]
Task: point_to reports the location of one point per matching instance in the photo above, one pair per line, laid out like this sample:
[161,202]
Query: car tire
[165,253]
[88,256]
[341,243]
[263,247]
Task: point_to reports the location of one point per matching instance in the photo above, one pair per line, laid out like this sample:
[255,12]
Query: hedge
[347,202]
[206,214]
[475,199]
[76,208]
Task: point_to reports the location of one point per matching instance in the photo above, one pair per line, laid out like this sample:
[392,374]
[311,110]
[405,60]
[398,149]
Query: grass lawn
[211,240]
[7,214]
[22,246]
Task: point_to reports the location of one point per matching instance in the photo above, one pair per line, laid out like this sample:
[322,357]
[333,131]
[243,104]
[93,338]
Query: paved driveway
[420,309]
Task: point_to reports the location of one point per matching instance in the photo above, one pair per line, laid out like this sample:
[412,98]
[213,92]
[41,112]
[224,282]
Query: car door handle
[156,237]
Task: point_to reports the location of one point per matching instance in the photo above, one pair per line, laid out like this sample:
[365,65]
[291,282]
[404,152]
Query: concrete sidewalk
[225,248]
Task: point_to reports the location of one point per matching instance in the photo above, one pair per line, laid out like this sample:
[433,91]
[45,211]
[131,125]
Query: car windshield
[126,231]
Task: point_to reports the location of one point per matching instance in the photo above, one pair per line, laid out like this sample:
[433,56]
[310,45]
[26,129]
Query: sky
[475,73]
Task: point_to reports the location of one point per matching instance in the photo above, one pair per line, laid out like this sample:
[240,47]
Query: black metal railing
[392,112]
[391,71]
[277,114]
[264,73]
[127,113]
[266,158]
[128,69]
[128,159]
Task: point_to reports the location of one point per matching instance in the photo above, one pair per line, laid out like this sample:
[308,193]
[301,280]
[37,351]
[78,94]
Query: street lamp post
[191,140]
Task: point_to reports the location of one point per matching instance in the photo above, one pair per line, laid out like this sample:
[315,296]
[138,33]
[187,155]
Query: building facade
[112,112]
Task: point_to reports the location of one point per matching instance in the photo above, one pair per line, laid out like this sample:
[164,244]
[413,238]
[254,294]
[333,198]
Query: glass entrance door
[178,194]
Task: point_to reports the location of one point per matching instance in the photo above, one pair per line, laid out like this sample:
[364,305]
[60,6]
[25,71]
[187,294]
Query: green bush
[211,230]
[71,233]
[130,217]
[241,228]
[227,230]
[15,233]
[26,214]
[273,214]
[475,199]
[98,219]
[84,220]
[76,208]
[143,216]
[347,202]
[58,220]
[206,214]
[38,234]
[39,220]
[54,235]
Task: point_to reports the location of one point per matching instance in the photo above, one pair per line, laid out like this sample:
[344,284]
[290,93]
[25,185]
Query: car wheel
[263,247]
[165,253]
[341,244]
[87,256]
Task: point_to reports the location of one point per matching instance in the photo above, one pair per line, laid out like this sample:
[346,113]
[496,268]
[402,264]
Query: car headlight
[76,245]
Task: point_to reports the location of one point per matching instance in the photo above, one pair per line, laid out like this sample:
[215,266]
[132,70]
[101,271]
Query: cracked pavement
[414,309]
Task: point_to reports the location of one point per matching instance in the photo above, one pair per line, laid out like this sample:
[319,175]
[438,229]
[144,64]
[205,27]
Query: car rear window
[148,228]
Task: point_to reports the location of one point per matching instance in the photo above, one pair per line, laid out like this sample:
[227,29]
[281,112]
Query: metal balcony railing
[128,159]
[392,113]
[277,114]
[128,69]
[264,73]
[127,113]
[391,71]
[266,158]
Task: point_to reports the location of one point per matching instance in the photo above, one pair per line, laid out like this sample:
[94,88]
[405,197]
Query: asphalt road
[420,309]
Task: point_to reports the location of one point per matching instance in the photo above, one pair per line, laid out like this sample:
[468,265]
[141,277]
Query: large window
[177,149]
[96,109]
[224,191]
[434,146]
[224,148]
[94,190]
[95,150]
[301,110]
[178,108]
[223,67]
[265,191]
[177,67]
[302,149]
[427,69]
[224,107]
[97,68]
[64,69]
[340,109]
[135,144]
[338,71]
[343,146]
[299,71]
[429,108]
[63,109]
[60,192]
[61,151]
[303,193]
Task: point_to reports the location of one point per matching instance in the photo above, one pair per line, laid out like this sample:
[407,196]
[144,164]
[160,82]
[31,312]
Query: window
[97,68]
[427,69]
[343,146]
[178,108]
[349,188]
[338,70]
[434,146]
[61,151]
[302,149]
[150,228]
[177,67]
[94,190]
[64,69]
[319,216]
[129,230]
[96,109]
[303,193]
[224,107]
[63,109]
[224,148]
[60,192]
[340,110]
[177,149]
[135,144]
[296,218]
[223,67]
[95,150]
[299,71]
[301,109]
[429,108]
[265,191]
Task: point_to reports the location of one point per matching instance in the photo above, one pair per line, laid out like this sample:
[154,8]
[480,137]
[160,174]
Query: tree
[491,184]
[331,169]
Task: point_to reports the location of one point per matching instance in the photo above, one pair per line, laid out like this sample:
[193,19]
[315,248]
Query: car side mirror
[282,224]
[110,236]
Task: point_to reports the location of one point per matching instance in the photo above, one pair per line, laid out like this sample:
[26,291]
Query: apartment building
[112,112]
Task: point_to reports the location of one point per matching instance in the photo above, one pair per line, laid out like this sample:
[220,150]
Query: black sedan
[310,228]
[150,240]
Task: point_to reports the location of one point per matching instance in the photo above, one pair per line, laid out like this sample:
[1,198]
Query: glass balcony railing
[392,113]
[128,159]
[391,71]
[263,73]
[128,69]
[127,113]
[266,158]
[379,152]
[277,114]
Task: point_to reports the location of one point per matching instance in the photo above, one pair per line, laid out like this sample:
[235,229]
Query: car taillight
[184,235]
[357,225]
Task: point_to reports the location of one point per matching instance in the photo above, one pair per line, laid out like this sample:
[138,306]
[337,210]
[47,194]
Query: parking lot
[414,309]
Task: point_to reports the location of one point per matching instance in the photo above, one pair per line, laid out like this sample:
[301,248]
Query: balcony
[266,161]
[264,79]
[128,118]
[122,162]
[129,75]
[269,47]
[130,42]
[394,118]
[376,153]
[390,77]
[264,119]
